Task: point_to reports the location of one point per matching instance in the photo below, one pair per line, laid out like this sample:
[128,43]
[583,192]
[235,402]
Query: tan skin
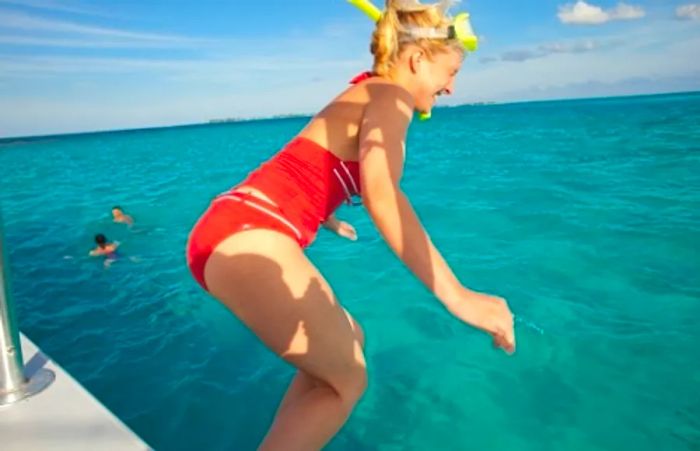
[107,249]
[267,281]
[119,216]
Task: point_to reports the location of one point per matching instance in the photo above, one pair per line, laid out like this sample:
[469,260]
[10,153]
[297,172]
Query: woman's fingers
[348,231]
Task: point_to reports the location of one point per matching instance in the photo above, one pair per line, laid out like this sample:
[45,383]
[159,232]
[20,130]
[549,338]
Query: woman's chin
[425,107]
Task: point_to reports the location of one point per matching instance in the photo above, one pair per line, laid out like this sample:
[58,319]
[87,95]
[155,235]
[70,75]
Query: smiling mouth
[439,93]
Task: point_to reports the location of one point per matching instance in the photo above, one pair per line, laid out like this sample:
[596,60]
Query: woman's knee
[352,387]
[354,381]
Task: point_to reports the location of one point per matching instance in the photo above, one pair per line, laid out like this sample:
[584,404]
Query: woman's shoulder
[378,87]
[387,101]
[365,88]
[385,96]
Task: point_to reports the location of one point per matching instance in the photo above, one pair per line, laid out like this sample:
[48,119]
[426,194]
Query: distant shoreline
[241,120]
[228,120]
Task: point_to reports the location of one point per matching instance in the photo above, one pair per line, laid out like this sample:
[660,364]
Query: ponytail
[385,40]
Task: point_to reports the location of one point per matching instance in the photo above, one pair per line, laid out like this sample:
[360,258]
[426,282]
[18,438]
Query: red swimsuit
[305,181]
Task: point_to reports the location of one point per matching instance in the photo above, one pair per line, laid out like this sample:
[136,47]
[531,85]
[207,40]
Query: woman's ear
[416,59]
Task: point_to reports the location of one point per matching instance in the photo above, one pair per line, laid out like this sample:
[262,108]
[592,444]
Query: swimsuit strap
[361,77]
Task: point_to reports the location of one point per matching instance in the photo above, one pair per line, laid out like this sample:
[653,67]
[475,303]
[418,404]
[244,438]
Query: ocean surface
[584,214]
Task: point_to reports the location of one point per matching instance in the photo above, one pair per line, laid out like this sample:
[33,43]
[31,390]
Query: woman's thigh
[265,279]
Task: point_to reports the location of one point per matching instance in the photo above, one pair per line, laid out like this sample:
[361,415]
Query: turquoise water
[585,215]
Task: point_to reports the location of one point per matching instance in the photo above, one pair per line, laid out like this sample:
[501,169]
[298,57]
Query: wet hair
[117,207]
[389,40]
[101,240]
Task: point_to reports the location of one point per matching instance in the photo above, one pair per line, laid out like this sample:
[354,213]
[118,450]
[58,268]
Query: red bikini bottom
[228,214]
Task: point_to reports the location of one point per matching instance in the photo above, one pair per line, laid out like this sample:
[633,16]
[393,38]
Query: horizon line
[293,116]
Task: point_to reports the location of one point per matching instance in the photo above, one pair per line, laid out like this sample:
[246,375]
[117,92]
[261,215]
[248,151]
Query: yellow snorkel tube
[368,8]
[460,29]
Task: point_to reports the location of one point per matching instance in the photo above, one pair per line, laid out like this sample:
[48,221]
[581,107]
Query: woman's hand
[346,230]
[488,313]
[341,228]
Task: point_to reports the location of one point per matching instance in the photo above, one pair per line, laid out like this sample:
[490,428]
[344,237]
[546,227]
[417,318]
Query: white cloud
[102,43]
[688,12]
[672,59]
[21,29]
[53,5]
[224,70]
[543,50]
[582,13]
[16,20]
[624,11]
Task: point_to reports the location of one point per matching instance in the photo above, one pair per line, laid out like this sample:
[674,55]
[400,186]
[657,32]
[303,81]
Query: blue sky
[73,65]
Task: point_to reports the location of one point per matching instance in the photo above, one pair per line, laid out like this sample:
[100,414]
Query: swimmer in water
[105,249]
[118,215]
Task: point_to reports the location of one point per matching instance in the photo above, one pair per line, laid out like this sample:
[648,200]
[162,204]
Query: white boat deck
[63,417]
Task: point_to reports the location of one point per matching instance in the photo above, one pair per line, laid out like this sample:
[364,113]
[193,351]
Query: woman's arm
[382,144]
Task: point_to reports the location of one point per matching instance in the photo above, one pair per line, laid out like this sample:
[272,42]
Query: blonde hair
[389,38]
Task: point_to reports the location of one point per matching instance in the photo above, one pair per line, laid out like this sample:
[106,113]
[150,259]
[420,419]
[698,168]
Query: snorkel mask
[460,29]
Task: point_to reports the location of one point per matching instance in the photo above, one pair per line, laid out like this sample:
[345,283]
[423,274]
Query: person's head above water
[104,247]
[119,216]
[420,46]
[101,240]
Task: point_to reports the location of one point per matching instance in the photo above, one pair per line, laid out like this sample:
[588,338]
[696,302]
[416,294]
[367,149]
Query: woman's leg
[269,284]
[304,382]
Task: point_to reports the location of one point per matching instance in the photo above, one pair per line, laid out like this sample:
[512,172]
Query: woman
[247,250]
